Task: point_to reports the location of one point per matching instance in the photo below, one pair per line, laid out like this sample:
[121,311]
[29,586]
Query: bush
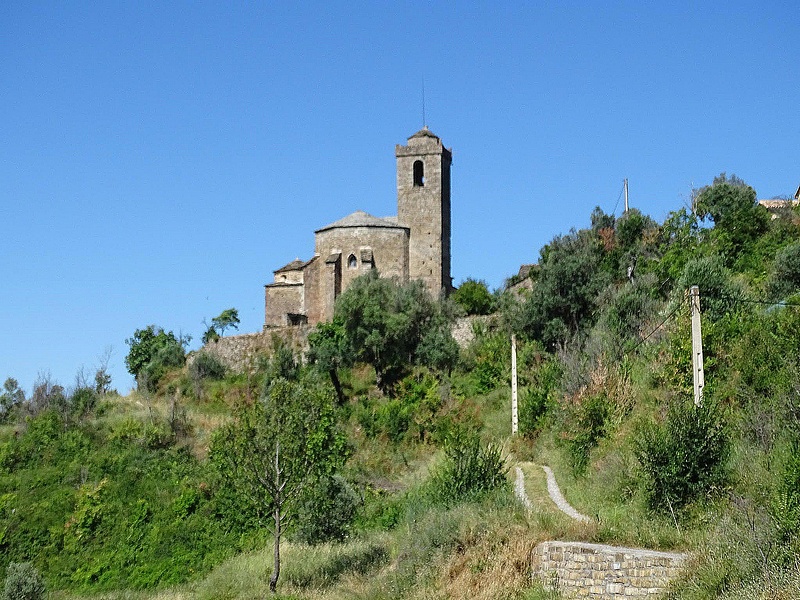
[474,297]
[327,513]
[785,278]
[684,457]
[537,401]
[206,366]
[23,582]
[719,296]
[488,362]
[587,427]
[469,469]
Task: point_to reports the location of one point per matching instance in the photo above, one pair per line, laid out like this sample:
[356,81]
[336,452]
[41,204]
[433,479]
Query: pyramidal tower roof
[424,133]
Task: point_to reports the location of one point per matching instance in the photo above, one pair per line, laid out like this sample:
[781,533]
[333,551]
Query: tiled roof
[360,219]
[295,265]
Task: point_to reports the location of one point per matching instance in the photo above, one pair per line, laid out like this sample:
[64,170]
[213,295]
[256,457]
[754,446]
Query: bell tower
[423,205]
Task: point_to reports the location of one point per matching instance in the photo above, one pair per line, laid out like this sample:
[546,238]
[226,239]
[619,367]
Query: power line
[618,199]
[659,326]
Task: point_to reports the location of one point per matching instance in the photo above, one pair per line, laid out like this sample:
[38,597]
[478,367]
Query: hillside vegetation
[376,466]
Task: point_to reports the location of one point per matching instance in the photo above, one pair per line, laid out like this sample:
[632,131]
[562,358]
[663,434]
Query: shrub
[785,278]
[206,366]
[469,469]
[537,401]
[587,427]
[685,456]
[83,401]
[718,293]
[489,361]
[474,297]
[327,512]
[23,582]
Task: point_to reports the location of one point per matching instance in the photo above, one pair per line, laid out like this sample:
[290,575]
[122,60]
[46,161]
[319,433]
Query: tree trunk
[278,501]
[276,570]
[337,385]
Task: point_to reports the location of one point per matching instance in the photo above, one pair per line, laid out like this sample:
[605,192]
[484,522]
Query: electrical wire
[659,326]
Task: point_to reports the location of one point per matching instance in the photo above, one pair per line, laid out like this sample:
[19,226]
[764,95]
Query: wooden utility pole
[697,346]
[514,414]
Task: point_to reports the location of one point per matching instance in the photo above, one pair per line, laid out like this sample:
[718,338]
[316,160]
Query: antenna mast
[424,122]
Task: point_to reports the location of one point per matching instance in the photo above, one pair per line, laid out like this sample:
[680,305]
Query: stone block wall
[596,571]
[241,353]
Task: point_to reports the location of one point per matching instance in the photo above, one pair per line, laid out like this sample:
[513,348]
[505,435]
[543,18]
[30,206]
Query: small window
[352,262]
[419,173]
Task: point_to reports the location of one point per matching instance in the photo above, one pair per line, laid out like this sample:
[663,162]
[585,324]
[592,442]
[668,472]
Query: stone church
[415,244]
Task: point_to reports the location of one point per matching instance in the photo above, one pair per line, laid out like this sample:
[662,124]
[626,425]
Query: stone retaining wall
[240,353]
[580,570]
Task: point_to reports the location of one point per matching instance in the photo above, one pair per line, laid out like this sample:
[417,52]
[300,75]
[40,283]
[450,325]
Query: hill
[394,446]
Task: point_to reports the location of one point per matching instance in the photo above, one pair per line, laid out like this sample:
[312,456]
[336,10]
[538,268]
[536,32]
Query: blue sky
[159,160]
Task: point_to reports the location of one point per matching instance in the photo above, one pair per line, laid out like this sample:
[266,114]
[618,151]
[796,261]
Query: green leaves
[474,297]
[738,221]
[470,468]
[388,326]
[684,457]
[299,416]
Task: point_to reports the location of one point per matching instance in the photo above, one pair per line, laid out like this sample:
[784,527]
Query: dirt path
[519,489]
[558,498]
[552,488]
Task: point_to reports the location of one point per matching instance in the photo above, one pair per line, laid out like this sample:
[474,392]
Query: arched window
[352,262]
[419,173]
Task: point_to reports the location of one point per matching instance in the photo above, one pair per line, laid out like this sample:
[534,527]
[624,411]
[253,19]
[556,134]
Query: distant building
[415,244]
[773,204]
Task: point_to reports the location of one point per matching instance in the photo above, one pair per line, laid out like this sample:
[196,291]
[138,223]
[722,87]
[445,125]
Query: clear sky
[158,160]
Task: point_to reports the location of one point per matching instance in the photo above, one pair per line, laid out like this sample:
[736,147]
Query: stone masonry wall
[596,571]
[240,353]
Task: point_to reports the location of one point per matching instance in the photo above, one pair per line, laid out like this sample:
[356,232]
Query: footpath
[597,571]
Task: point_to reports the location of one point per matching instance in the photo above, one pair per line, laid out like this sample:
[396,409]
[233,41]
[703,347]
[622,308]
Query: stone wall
[280,300]
[580,570]
[240,353]
[389,247]
[463,330]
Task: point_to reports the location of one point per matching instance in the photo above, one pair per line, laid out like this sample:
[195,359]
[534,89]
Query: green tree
[276,451]
[738,220]
[227,318]
[385,323]
[564,299]
[718,290]
[12,396]
[152,352]
[474,297]
[679,238]
[785,278]
[328,350]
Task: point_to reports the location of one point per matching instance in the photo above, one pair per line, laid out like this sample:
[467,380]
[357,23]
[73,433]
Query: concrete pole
[626,196]
[514,414]
[697,346]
